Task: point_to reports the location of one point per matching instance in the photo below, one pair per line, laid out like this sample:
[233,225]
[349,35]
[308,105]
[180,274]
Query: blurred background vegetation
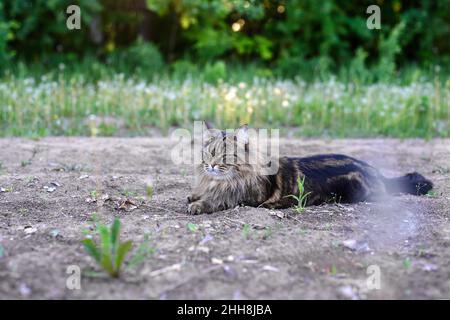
[285,37]
[212,41]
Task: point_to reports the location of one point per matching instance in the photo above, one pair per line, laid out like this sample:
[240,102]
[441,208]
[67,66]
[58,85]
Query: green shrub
[215,71]
[142,57]
[183,68]
[388,50]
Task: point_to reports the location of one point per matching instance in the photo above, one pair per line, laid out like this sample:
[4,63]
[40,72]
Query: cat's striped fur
[327,178]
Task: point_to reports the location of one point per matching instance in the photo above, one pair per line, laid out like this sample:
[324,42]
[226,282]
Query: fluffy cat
[226,179]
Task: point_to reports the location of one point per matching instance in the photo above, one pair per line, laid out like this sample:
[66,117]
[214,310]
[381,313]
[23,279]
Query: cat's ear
[208,124]
[209,133]
[242,134]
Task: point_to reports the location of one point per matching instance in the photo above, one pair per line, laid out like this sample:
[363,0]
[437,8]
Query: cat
[225,179]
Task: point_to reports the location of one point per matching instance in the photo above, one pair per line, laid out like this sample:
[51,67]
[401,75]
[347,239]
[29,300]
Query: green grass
[110,253]
[302,197]
[407,264]
[246,231]
[192,227]
[149,191]
[115,104]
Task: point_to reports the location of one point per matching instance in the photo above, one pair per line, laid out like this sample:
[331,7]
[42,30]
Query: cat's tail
[412,183]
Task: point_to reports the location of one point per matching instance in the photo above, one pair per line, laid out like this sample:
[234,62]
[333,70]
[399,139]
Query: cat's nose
[213,168]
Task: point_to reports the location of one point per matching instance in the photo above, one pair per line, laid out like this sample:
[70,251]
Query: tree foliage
[288,34]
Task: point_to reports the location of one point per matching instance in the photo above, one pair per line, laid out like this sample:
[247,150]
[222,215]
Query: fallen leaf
[126,205]
[101,200]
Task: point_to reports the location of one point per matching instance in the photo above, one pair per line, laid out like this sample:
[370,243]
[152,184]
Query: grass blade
[91,248]
[142,252]
[105,239]
[123,249]
[115,234]
[106,263]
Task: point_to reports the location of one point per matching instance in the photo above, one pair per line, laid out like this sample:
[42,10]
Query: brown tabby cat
[223,183]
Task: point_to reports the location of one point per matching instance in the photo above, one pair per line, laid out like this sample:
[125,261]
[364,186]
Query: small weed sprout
[149,190]
[302,196]
[333,270]
[7,189]
[431,194]
[94,194]
[129,193]
[246,231]
[267,233]
[110,253]
[25,163]
[143,251]
[407,263]
[192,227]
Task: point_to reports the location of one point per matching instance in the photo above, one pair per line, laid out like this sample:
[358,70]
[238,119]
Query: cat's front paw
[193,198]
[195,208]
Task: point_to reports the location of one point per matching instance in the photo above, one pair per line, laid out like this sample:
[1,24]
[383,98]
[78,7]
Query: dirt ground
[326,252]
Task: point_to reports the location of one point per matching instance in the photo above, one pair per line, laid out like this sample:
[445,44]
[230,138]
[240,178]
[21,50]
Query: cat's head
[225,154]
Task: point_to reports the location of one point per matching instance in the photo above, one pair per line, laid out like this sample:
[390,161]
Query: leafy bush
[389,48]
[296,37]
[40,27]
[142,58]
[183,68]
